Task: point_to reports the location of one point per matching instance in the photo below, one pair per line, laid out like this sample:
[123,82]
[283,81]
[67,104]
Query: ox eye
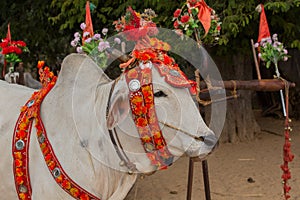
[160,94]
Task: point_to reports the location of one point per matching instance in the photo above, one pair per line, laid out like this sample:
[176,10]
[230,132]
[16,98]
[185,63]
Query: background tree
[47,26]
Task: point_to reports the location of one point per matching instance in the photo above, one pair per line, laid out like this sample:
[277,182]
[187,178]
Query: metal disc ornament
[134,85]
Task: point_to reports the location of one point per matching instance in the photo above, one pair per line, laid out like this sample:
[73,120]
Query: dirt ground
[242,171]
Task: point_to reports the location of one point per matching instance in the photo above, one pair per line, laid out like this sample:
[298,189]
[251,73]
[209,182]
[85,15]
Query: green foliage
[47,26]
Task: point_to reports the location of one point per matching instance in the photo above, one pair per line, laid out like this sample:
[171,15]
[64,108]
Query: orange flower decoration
[18,163]
[84,197]
[66,184]
[139,110]
[59,179]
[141,122]
[146,139]
[18,155]
[137,100]
[22,134]
[19,172]
[74,192]
[132,74]
[20,180]
[22,196]
[51,165]
[23,126]
[40,64]
[48,157]
[46,150]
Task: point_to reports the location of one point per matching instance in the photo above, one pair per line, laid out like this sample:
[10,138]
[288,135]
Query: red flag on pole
[264,32]
[88,21]
[204,15]
[8,35]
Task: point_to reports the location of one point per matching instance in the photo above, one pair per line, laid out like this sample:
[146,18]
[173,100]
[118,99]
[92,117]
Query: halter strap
[141,97]
[115,139]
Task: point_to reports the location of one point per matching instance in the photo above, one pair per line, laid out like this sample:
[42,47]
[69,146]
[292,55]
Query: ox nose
[203,147]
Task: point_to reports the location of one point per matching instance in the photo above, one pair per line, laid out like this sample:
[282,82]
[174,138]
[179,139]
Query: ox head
[178,117]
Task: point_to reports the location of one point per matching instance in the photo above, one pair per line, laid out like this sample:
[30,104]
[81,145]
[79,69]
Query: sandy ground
[231,167]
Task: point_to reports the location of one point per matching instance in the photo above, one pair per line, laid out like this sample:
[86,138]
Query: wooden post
[255,60]
[193,160]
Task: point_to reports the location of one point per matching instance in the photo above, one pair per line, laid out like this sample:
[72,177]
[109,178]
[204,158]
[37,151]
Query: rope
[210,87]
[234,92]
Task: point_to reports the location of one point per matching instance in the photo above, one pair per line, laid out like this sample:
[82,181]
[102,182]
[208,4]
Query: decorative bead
[41,138]
[23,189]
[20,144]
[149,147]
[56,172]
[30,103]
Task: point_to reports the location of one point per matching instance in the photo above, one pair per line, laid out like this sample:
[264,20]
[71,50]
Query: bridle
[197,138]
[125,161]
[115,139]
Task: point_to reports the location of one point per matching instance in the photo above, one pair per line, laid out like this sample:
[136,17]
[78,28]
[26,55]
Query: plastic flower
[12,49]
[88,40]
[136,26]
[82,26]
[189,21]
[77,35]
[185,19]
[104,31]
[73,43]
[103,45]
[177,13]
[85,34]
[79,49]
[97,36]
[94,46]
[117,40]
[272,51]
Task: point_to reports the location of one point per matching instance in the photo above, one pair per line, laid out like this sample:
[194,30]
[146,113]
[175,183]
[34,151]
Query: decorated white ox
[79,114]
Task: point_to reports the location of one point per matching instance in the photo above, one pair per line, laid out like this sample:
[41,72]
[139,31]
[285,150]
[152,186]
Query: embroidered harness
[31,112]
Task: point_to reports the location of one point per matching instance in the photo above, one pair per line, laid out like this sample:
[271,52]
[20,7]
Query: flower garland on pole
[273,51]
[11,50]
[196,18]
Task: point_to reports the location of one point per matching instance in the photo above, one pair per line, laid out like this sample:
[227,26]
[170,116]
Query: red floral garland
[30,112]
[154,50]
[12,47]
[287,154]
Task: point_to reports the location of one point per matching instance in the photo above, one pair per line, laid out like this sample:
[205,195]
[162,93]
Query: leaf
[268,64]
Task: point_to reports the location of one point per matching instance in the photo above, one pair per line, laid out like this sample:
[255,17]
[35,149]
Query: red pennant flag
[264,32]
[204,15]
[88,21]
[8,35]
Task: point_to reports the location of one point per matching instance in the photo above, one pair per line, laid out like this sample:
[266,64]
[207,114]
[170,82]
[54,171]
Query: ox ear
[119,106]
